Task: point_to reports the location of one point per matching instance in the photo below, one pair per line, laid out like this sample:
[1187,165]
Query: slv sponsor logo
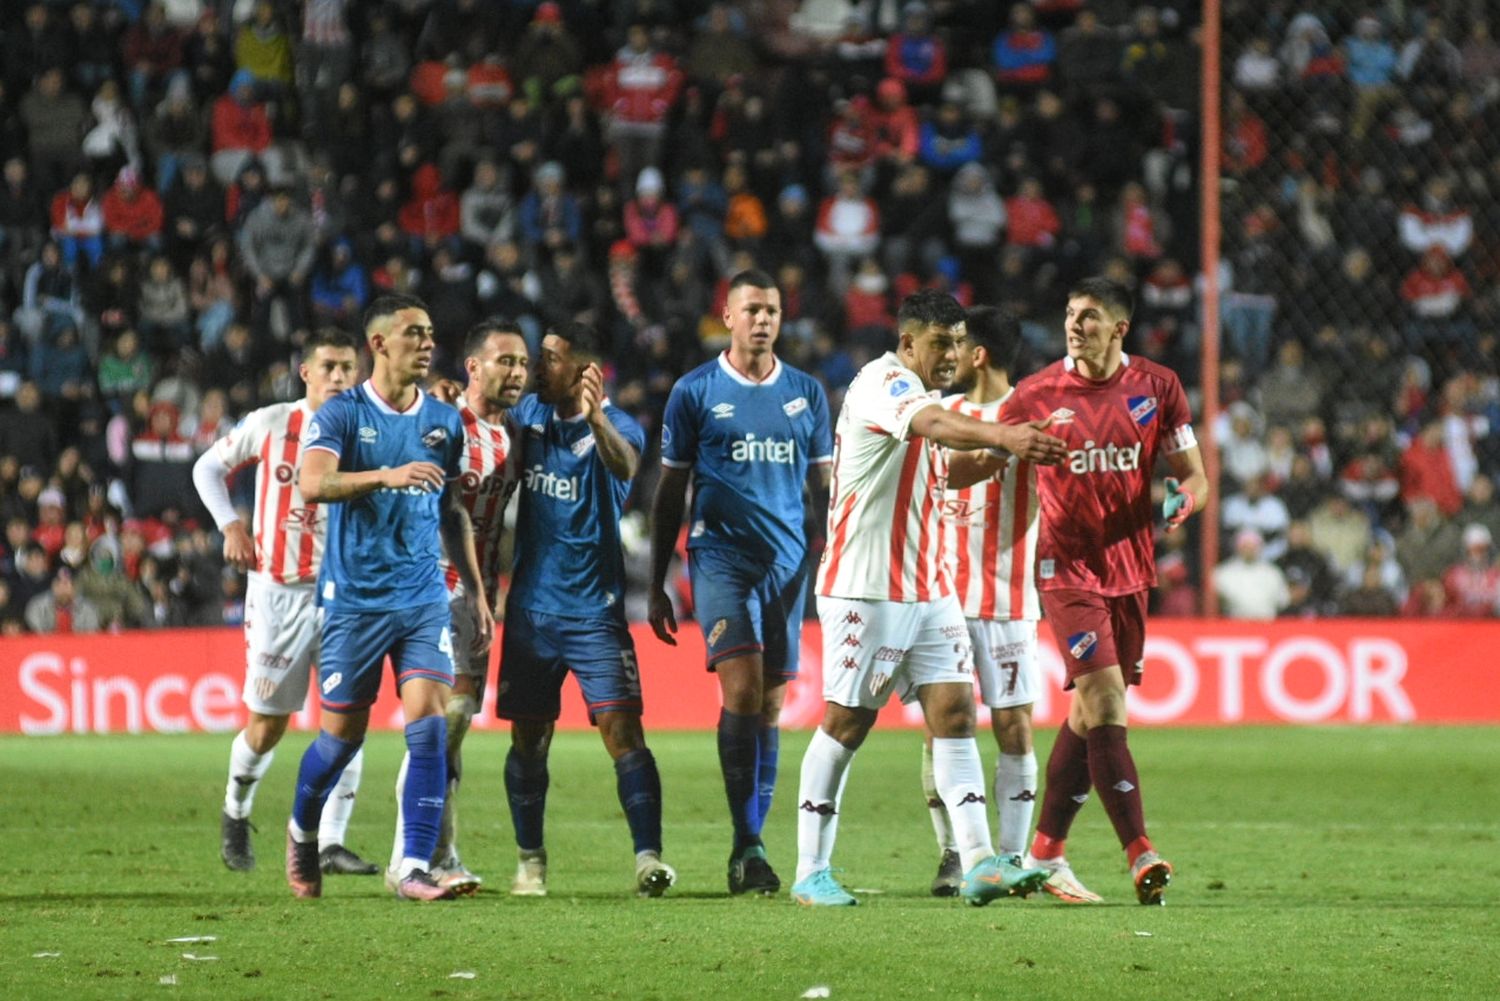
[751,449]
[1142,409]
[1083,645]
[563,488]
[1109,459]
[794,407]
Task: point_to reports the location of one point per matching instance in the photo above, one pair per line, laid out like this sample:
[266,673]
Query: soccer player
[281,626]
[565,610]
[1095,557]
[495,359]
[745,428]
[990,535]
[891,622]
[387,459]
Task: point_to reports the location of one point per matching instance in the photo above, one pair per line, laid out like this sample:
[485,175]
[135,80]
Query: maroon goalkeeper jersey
[1097,517]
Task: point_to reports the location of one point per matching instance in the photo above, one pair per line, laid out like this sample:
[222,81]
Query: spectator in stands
[1371,598]
[1436,220]
[548,214]
[161,466]
[848,229]
[1429,544]
[340,287]
[175,131]
[977,217]
[1473,583]
[430,217]
[263,49]
[60,609]
[1291,391]
[1427,471]
[192,209]
[916,55]
[213,280]
[241,127]
[1430,60]
[35,45]
[1371,61]
[277,247]
[78,222]
[949,141]
[1340,531]
[486,209]
[1480,506]
[1304,566]
[133,214]
[1428,600]
[103,584]
[896,125]
[1023,54]
[23,212]
[325,61]
[55,120]
[1248,585]
[125,370]
[50,296]
[1243,455]
[651,221]
[547,54]
[113,139]
[61,370]
[28,433]
[640,88]
[1437,296]
[1257,71]
[720,50]
[1255,507]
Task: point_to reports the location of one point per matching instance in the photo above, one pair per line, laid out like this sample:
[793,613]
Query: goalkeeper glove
[1178,505]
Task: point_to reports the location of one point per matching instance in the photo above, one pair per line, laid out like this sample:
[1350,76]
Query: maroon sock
[1114,775]
[1067,787]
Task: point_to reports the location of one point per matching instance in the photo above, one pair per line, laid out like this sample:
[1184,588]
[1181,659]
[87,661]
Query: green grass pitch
[1311,863]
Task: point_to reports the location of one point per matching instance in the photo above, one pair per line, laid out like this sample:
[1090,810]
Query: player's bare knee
[741,684]
[264,732]
[771,701]
[847,726]
[1012,727]
[530,739]
[348,727]
[621,733]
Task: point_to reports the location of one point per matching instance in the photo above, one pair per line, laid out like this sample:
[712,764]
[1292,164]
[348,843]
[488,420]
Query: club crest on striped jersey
[435,437]
[1142,409]
[1083,645]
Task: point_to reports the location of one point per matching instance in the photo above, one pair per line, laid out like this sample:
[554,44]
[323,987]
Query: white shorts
[1005,660]
[464,628]
[281,645]
[874,648]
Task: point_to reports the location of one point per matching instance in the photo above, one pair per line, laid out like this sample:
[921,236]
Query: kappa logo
[1083,645]
[717,632]
[851,640]
[853,619]
[972,797]
[1062,415]
[368,434]
[1142,409]
[332,681]
[849,664]
[795,407]
[821,809]
[722,411]
[435,437]
[583,445]
[1024,796]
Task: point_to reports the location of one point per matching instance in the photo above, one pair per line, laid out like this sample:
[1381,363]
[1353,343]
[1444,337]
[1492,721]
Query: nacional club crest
[1142,409]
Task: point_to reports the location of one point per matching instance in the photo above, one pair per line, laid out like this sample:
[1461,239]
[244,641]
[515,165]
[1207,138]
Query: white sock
[246,769]
[410,865]
[1015,798]
[825,769]
[941,825]
[959,776]
[333,826]
[398,846]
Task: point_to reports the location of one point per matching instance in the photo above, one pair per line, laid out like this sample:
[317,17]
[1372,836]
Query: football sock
[1114,774]
[526,782]
[825,770]
[334,826]
[769,747]
[461,709]
[739,761]
[426,785]
[941,825]
[322,763]
[1015,796]
[959,776]
[1067,790]
[398,844]
[246,769]
[639,786]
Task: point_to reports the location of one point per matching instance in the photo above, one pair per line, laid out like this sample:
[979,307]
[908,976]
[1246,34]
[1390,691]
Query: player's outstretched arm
[212,480]
[322,482]
[458,541]
[666,519]
[1187,487]
[618,455]
[1028,440]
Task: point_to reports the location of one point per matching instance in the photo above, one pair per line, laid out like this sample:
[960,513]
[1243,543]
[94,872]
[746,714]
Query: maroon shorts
[1094,632]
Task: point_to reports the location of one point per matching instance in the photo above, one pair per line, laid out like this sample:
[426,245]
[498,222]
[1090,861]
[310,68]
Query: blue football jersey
[569,560]
[749,445]
[382,549]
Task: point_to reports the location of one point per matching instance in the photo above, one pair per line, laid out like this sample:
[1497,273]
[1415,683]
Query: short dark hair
[998,332]
[753,277]
[1115,297]
[480,332]
[927,307]
[328,337]
[389,305]
[583,340]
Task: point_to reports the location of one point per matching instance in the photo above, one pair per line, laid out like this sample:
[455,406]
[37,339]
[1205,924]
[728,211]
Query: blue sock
[322,764]
[526,782]
[770,754]
[639,786]
[426,784]
[738,760]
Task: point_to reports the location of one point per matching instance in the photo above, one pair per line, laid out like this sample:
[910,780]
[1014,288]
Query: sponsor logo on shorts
[955,632]
[890,654]
[821,809]
[795,407]
[275,661]
[265,688]
[722,411]
[1142,409]
[367,434]
[435,437]
[332,681]
[853,619]
[1083,645]
[717,632]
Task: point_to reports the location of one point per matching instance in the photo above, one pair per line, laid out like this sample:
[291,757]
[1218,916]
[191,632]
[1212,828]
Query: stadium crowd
[190,187]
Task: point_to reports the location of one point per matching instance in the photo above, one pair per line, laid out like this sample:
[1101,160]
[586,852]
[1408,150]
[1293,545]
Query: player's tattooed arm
[322,482]
[618,455]
[1028,440]
[458,541]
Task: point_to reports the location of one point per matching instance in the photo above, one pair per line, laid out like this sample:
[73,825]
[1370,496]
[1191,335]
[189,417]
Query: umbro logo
[1124,785]
[368,434]
[722,410]
[972,797]
[1062,415]
[821,809]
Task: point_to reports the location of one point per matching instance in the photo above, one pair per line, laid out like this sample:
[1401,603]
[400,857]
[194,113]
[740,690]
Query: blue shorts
[538,650]
[355,645]
[748,607]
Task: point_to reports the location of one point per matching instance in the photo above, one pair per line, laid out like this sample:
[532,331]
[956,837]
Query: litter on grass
[817,991]
[193,939]
[45,955]
[199,959]
[462,975]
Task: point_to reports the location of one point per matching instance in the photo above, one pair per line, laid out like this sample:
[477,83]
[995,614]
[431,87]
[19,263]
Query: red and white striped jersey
[885,542]
[491,471]
[989,534]
[288,530]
